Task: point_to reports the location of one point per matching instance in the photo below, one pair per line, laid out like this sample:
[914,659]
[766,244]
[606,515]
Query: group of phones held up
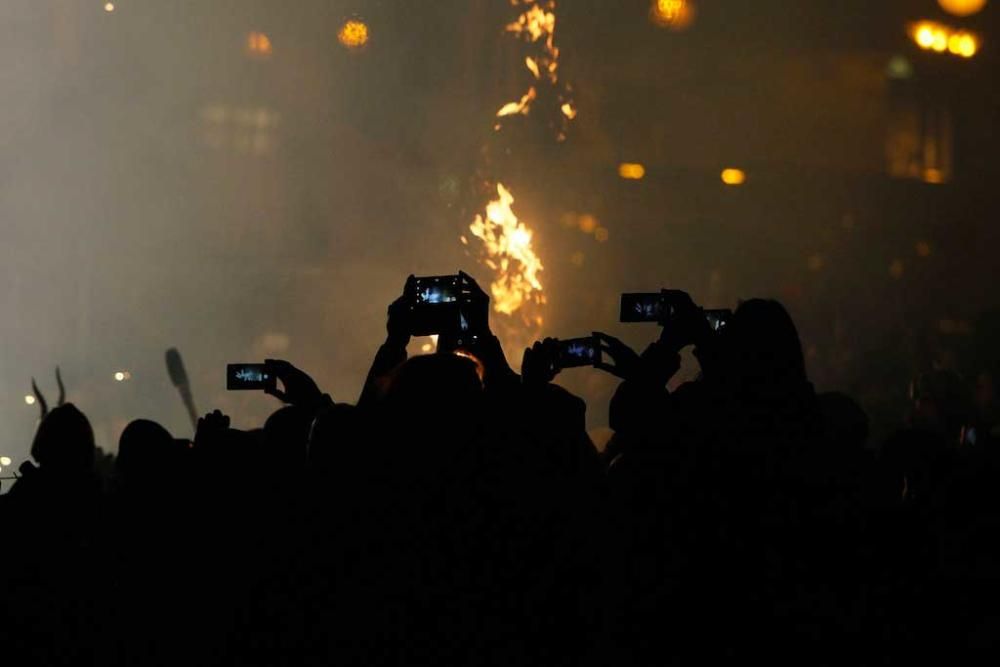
[456,309]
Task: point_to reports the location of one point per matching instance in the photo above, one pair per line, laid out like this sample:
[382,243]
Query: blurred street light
[733,176]
[962,7]
[937,37]
[631,171]
[259,44]
[29,399]
[672,14]
[5,461]
[109,6]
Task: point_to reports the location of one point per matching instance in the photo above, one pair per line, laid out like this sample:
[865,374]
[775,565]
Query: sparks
[522,107]
[537,25]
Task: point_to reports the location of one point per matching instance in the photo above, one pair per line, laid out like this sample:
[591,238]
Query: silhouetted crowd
[459,514]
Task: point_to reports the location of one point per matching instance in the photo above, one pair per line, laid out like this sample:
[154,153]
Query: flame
[521,107]
[508,251]
[537,25]
[532,65]
[507,242]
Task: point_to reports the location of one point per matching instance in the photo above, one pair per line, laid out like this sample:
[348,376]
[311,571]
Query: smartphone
[248,377]
[718,319]
[436,305]
[576,352]
[643,307]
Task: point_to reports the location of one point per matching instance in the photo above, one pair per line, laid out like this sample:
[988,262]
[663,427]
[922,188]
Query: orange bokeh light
[962,7]
[353,34]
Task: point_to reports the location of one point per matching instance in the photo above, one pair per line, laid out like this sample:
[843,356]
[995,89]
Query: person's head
[145,450]
[846,423]
[435,393]
[760,347]
[286,434]
[429,379]
[64,440]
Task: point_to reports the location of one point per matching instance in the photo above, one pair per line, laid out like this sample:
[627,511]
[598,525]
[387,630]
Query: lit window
[242,129]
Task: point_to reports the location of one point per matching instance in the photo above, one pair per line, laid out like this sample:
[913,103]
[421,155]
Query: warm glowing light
[480,368]
[534,24]
[109,6]
[509,252]
[967,46]
[537,25]
[962,7]
[587,223]
[522,107]
[259,44]
[924,36]
[431,345]
[29,399]
[734,176]
[353,34]
[933,176]
[672,14]
[532,66]
[923,249]
[601,234]
[931,36]
[5,461]
[121,376]
[631,171]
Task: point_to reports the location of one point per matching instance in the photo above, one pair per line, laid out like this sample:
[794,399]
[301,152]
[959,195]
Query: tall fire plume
[510,255]
[507,248]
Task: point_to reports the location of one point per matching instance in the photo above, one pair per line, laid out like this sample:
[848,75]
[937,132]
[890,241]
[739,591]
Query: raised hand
[480,304]
[538,366]
[297,387]
[627,364]
[398,321]
[686,324]
[210,427]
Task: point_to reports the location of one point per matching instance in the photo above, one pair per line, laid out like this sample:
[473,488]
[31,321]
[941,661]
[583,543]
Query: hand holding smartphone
[250,377]
[577,352]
